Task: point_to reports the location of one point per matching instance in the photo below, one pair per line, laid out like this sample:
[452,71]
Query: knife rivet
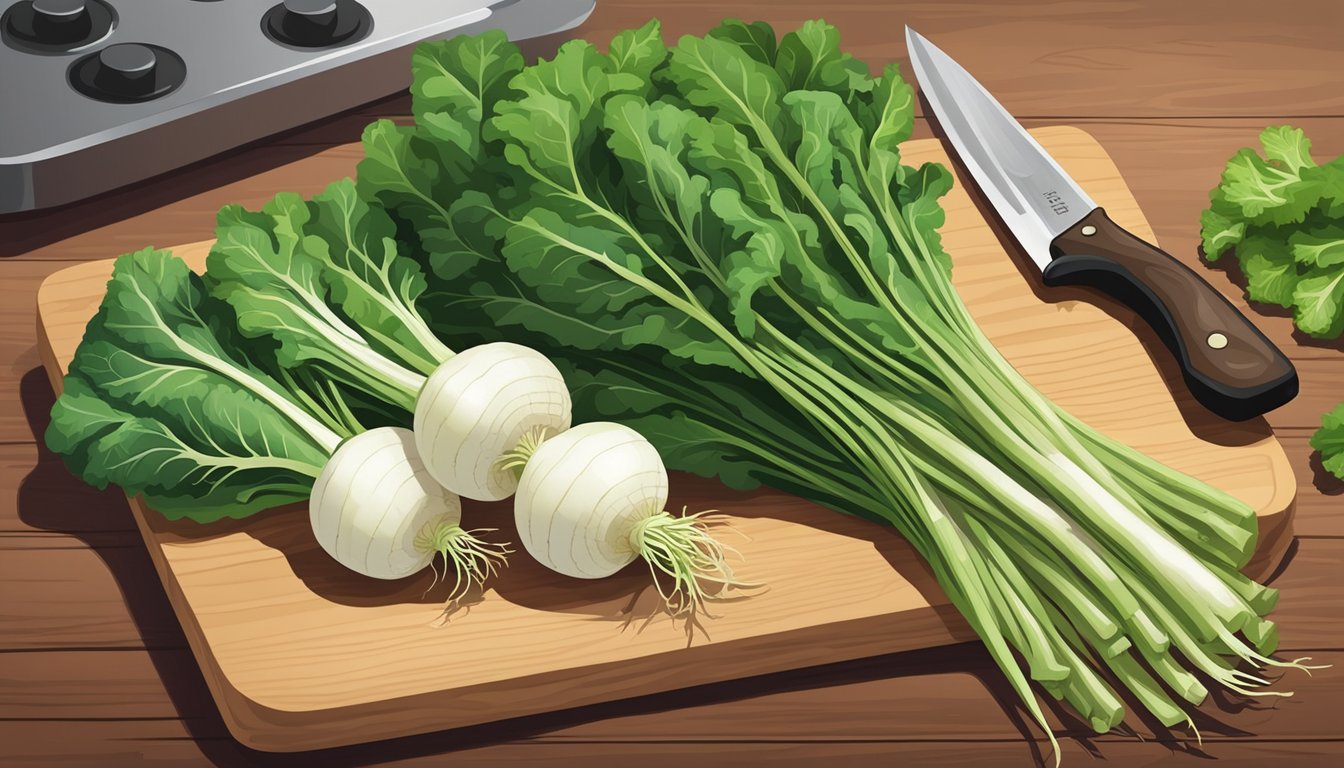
[1089,230]
[1216,340]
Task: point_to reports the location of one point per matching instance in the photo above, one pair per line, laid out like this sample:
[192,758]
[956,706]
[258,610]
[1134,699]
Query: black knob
[126,73]
[60,21]
[315,10]
[316,23]
[126,69]
[55,26]
[58,11]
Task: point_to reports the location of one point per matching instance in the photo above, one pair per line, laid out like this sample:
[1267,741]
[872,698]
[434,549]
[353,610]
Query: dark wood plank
[1310,613]
[169,742]
[40,499]
[105,685]
[904,697]
[57,592]
[26,405]
[1320,379]
[1320,495]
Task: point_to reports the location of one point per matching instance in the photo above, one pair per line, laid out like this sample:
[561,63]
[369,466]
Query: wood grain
[68,595]
[861,700]
[48,744]
[294,649]
[121,604]
[1195,49]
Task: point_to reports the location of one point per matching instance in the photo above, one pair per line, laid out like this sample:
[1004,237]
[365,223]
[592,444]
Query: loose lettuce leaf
[1264,192]
[1329,440]
[165,399]
[1218,233]
[1287,145]
[1322,247]
[1283,216]
[1271,275]
[1318,303]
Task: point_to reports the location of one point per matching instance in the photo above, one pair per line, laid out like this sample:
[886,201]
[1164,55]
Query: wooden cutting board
[301,654]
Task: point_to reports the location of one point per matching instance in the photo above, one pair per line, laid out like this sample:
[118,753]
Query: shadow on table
[1323,479]
[30,230]
[50,499]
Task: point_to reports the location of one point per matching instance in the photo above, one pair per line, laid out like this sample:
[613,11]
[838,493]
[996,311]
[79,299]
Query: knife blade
[1227,363]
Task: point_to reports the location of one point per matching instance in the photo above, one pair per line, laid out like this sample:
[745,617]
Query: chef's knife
[1229,366]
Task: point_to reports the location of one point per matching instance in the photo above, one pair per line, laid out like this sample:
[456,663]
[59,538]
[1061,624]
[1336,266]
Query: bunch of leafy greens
[1283,217]
[164,398]
[719,246]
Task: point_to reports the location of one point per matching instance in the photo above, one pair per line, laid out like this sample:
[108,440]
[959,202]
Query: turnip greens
[718,245]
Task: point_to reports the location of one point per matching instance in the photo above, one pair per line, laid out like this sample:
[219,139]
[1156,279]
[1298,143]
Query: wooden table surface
[94,669]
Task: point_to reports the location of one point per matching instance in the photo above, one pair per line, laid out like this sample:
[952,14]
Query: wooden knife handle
[1229,366]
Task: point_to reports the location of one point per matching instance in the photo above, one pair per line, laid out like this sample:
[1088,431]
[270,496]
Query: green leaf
[718,75]
[163,398]
[756,39]
[1319,304]
[315,286]
[586,271]
[542,130]
[1271,275]
[810,59]
[260,267]
[370,280]
[455,85]
[401,171]
[1219,233]
[1265,193]
[1287,145]
[1329,440]
[1322,248]
[639,52]
[581,75]
[888,115]
[1332,189]
[757,263]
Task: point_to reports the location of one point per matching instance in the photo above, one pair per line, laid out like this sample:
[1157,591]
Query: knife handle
[1229,366]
